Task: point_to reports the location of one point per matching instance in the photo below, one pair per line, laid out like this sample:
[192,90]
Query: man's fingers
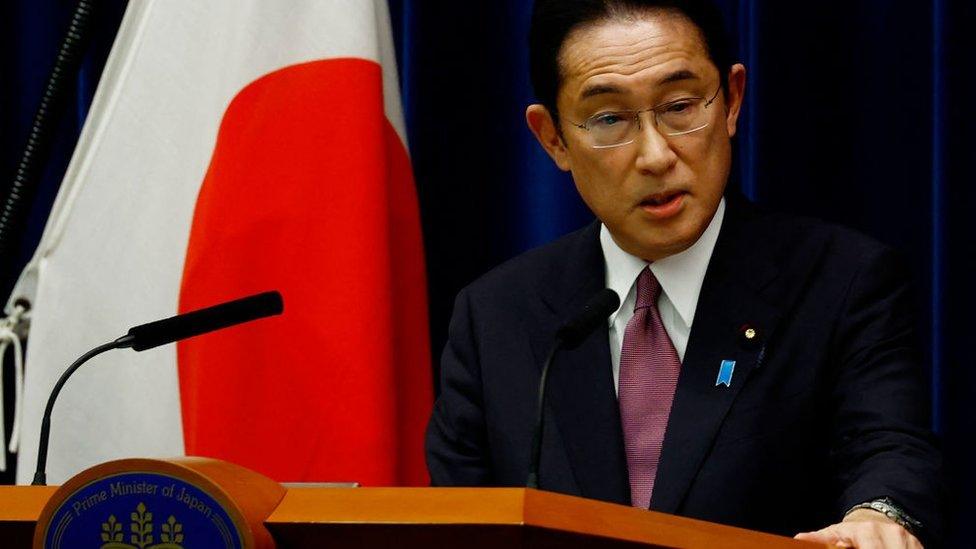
[826,535]
[863,535]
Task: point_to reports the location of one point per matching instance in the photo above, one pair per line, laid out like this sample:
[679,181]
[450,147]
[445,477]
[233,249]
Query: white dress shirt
[680,275]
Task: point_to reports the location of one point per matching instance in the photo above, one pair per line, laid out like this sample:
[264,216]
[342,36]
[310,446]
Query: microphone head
[596,311]
[168,330]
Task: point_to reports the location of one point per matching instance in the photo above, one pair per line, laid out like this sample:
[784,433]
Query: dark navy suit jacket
[828,409]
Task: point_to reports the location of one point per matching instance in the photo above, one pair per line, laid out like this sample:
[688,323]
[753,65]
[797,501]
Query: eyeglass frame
[654,109]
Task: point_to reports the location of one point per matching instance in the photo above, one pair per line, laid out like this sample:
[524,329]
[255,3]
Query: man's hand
[864,529]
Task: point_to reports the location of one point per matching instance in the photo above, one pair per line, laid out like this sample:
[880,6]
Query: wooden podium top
[445,517]
[23,503]
[493,517]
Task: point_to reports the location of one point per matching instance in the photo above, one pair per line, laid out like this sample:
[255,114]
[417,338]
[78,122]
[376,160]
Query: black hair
[553,20]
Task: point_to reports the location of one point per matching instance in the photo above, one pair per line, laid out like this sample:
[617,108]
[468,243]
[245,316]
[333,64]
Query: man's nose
[655,154]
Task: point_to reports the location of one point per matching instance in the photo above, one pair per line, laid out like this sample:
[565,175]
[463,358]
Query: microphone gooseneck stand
[40,475]
[533,480]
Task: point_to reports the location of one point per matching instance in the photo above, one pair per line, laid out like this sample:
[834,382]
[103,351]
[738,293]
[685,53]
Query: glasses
[678,117]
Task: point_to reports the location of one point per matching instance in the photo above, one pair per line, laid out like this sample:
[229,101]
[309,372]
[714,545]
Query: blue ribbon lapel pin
[725,373]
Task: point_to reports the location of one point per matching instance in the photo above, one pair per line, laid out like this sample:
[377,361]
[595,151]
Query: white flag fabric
[233,147]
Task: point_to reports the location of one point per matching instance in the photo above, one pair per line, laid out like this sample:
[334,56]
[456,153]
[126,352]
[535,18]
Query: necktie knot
[648,290]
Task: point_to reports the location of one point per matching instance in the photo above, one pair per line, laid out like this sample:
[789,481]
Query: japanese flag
[238,146]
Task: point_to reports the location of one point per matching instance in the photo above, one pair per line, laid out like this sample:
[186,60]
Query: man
[760,371]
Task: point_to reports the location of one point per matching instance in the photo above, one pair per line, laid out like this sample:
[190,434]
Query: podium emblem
[141,510]
[140,532]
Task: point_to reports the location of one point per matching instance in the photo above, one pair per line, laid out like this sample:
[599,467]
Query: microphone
[161,332]
[596,310]
[202,321]
[569,336]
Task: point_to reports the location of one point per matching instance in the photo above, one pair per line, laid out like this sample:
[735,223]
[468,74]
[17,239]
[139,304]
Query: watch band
[888,508]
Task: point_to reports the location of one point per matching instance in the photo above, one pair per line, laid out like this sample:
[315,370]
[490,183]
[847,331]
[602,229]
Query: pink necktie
[649,368]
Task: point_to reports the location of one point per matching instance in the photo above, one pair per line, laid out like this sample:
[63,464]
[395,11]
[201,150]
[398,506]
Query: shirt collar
[680,275]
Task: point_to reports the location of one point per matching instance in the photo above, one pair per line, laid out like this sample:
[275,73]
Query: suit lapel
[581,396]
[731,298]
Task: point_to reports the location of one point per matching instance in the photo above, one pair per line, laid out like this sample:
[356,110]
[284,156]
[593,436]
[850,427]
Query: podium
[178,503]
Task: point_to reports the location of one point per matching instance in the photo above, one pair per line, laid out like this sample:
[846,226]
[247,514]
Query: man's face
[657,194]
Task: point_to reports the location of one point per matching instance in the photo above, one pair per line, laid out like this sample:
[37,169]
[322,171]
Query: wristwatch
[888,508]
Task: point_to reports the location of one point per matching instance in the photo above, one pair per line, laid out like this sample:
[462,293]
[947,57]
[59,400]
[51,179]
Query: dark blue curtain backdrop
[858,112]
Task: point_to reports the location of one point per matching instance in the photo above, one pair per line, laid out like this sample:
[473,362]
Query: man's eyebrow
[677,76]
[599,89]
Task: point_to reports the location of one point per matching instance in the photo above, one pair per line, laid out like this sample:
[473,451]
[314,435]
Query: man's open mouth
[661,199]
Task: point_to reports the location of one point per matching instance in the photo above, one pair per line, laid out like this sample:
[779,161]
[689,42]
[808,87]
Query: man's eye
[608,119]
[678,107]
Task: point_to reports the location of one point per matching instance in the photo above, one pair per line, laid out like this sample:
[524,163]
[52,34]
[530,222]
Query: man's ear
[544,129]
[736,93]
